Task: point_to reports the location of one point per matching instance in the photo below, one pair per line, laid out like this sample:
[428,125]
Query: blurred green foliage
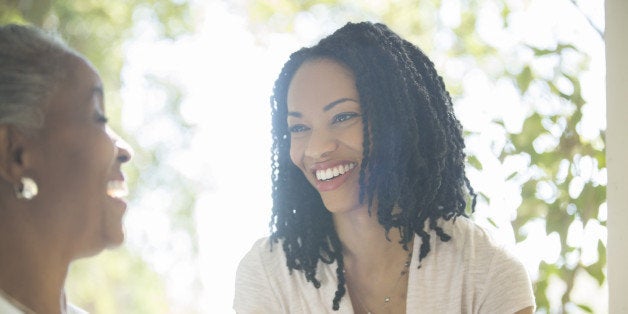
[117,281]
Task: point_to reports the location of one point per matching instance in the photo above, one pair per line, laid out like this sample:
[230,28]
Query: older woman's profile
[61,184]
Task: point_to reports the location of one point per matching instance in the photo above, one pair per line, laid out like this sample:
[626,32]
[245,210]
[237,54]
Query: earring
[27,189]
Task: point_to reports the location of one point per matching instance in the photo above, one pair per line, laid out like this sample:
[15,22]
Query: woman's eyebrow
[97,90]
[336,102]
[327,107]
[295,114]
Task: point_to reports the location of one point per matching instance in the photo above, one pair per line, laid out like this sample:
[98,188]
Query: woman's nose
[320,144]
[123,149]
[125,152]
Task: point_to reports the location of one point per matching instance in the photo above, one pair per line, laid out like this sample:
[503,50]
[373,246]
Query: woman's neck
[364,240]
[375,268]
[32,273]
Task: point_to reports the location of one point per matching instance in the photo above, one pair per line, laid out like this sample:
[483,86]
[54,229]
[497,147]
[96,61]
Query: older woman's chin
[114,237]
[115,241]
[110,240]
[113,227]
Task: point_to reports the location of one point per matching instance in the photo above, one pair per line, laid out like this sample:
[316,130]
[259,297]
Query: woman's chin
[111,241]
[89,252]
[115,240]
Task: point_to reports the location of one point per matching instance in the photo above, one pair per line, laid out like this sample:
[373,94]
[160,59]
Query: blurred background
[187,84]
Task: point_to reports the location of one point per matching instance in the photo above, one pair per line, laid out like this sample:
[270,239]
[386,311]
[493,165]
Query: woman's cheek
[296,152]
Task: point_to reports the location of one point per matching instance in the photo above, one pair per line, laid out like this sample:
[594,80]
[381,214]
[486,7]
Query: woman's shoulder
[255,288]
[264,283]
[264,253]
[475,245]
[472,262]
[465,233]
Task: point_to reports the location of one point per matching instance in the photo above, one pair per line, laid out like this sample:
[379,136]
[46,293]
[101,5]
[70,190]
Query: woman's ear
[12,143]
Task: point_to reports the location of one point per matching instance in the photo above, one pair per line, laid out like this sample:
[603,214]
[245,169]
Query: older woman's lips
[117,189]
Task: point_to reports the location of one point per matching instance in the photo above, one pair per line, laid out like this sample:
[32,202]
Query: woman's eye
[297,128]
[101,118]
[344,116]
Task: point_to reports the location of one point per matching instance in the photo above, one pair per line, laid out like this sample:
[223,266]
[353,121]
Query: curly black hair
[413,150]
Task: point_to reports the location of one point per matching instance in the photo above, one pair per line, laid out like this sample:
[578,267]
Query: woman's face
[76,163]
[325,123]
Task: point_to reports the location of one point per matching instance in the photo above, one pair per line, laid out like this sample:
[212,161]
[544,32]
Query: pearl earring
[27,189]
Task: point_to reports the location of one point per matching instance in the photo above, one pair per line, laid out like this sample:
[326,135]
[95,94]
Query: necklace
[388,297]
[16,303]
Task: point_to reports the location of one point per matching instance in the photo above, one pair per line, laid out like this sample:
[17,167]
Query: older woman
[60,178]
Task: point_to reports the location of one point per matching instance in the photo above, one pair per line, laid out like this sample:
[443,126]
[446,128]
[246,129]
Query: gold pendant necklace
[387,298]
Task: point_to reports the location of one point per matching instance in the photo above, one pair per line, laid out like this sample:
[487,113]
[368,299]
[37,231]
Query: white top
[7,307]
[468,274]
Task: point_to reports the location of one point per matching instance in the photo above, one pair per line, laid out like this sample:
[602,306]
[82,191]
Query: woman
[369,192]
[60,178]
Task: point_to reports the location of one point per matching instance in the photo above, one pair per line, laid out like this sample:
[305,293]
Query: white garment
[467,274]
[7,308]
[72,309]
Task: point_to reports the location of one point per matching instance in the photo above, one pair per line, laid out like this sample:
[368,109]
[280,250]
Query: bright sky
[227,79]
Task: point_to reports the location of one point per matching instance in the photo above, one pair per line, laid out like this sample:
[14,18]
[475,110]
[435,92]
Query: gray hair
[32,63]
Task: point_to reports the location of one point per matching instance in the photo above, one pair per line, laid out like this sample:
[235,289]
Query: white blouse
[470,273]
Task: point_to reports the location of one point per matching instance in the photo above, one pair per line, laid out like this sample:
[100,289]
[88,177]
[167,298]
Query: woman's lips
[333,177]
[117,189]
[332,172]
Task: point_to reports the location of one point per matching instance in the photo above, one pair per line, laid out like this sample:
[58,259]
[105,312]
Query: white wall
[617,152]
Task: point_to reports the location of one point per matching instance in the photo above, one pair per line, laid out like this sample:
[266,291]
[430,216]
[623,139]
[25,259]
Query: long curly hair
[413,150]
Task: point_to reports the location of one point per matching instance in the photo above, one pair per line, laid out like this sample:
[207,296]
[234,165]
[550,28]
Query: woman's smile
[331,173]
[330,178]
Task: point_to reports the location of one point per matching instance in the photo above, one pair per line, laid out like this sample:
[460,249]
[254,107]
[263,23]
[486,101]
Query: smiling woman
[61,184]
[370,193]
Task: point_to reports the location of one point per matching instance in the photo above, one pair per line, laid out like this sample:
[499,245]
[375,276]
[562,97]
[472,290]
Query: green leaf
[474,162]
[492,222]
[512,175]
[524,79]
[585,308]
[596,271]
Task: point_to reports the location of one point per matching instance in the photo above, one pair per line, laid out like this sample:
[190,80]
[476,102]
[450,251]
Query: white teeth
[117,189]
[330,173]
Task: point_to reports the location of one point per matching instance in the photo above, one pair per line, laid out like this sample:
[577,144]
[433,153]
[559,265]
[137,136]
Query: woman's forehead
[77,91]
[319,83]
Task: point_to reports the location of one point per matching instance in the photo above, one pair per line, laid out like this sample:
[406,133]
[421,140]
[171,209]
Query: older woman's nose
[124,151]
